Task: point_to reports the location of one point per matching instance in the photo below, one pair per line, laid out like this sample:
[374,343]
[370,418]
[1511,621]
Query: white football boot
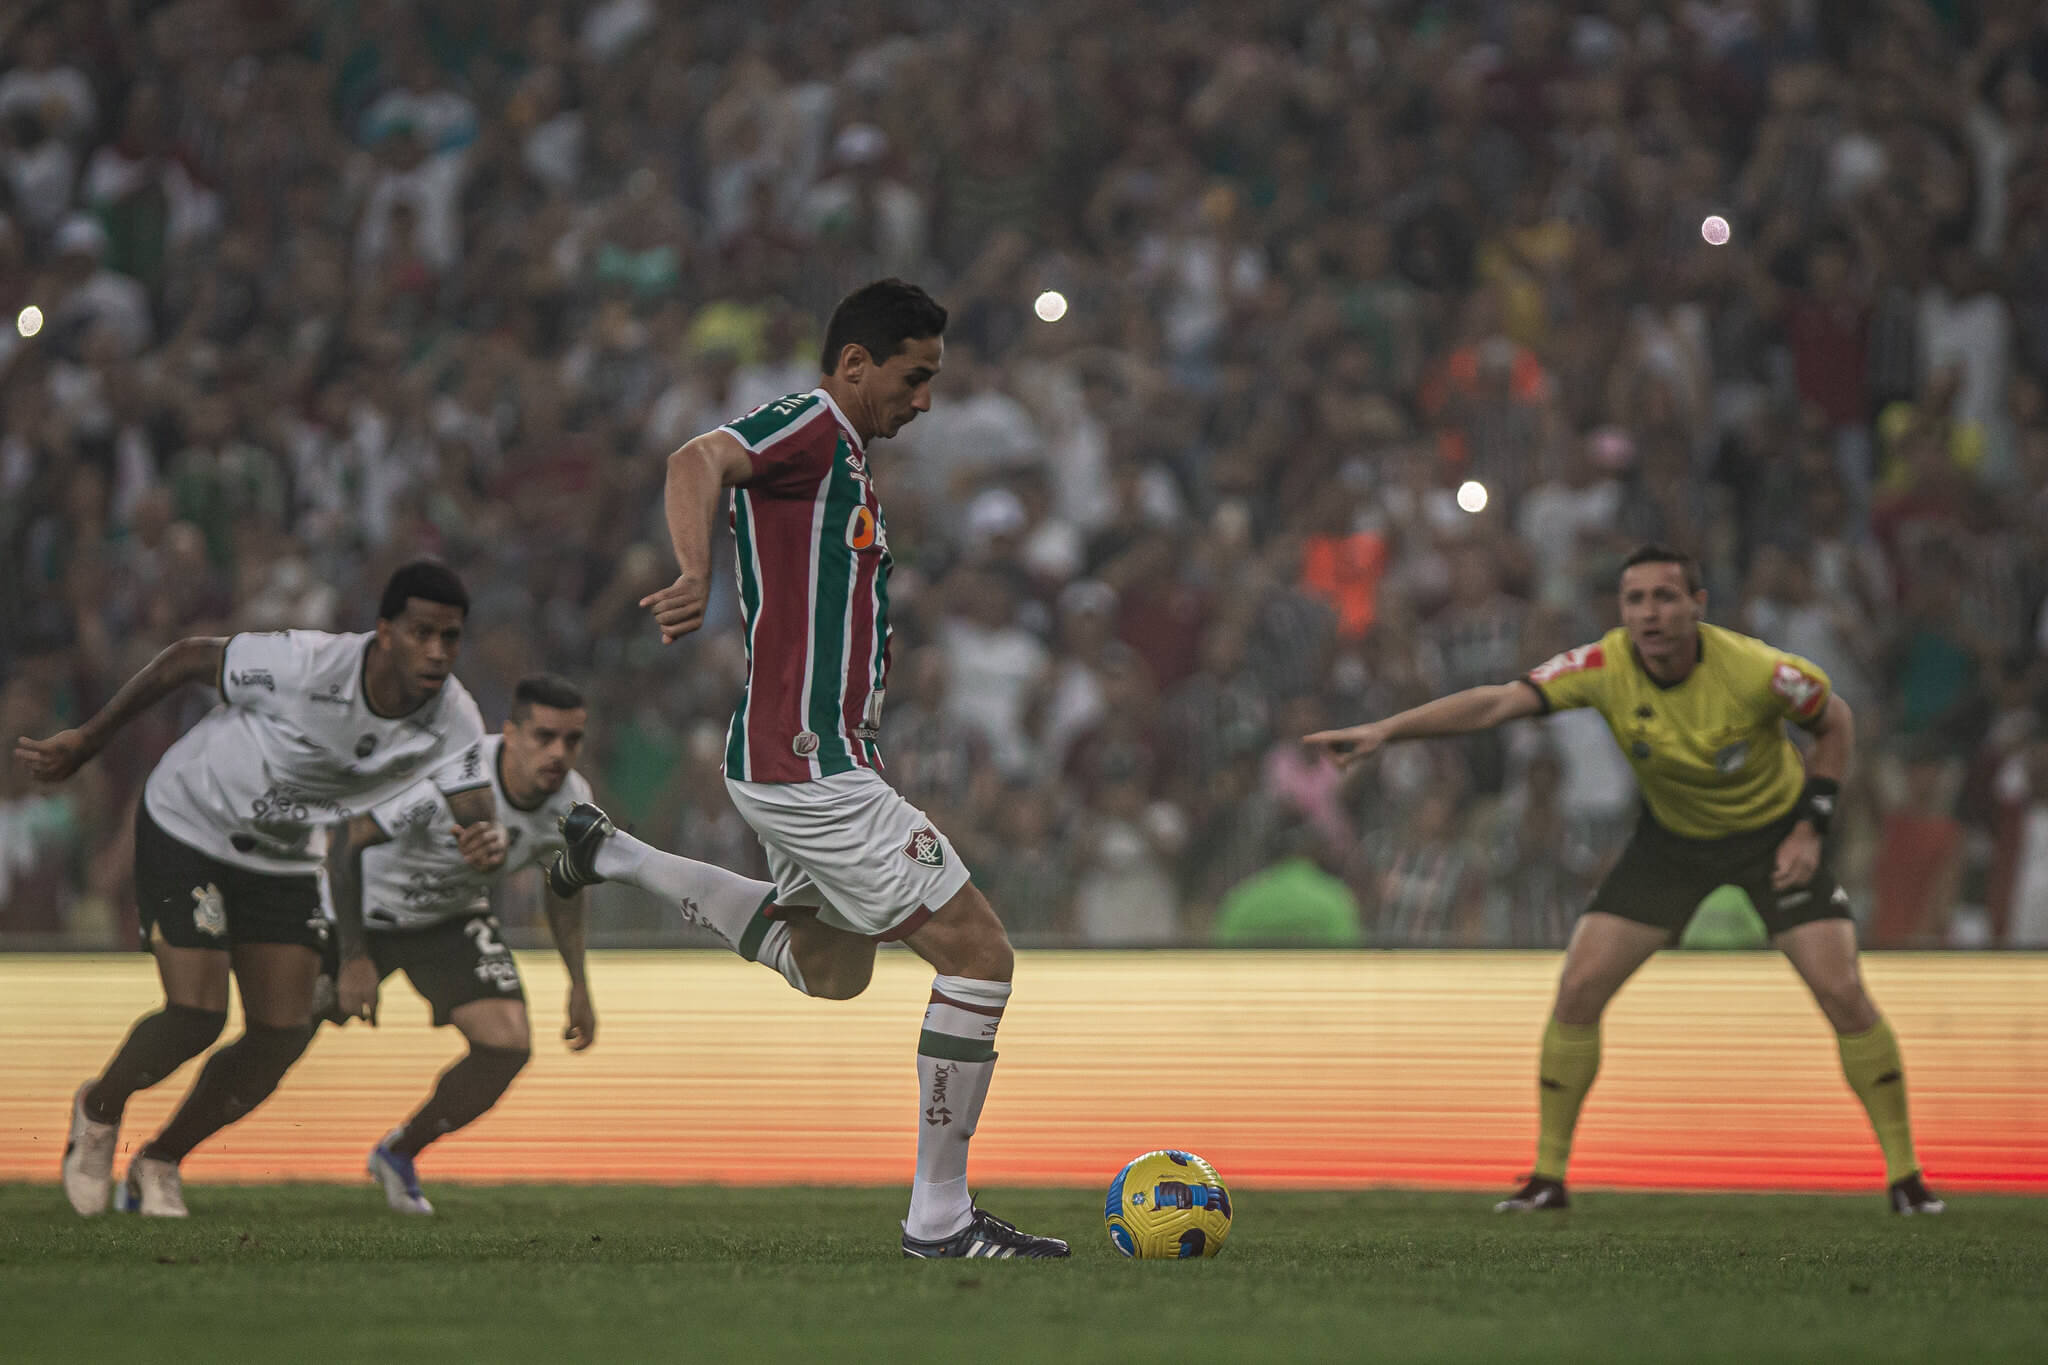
[89,1159]
[394,1171]
[153,1189]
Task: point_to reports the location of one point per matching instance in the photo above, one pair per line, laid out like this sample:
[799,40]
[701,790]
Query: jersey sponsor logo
[870,727]
[1800,690]
[1571,661]
[924,848]
[863,532]
[365,746]
[331,697]
[804,745]
[1731,758]
[937,1113]
[209,911]
[473,763]
[253,677]
[416,816]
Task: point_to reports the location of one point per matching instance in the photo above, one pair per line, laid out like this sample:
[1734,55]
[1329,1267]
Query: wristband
[1817,803]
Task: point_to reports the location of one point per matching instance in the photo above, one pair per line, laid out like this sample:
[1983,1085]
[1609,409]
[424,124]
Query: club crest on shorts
[924,847]
[805,744]
[209,911]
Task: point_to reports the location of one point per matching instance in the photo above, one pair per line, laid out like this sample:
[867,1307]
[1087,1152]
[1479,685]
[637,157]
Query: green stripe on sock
[757,929]
[946,1046]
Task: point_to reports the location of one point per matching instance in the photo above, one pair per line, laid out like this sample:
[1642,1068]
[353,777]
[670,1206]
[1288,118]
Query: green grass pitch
[620,1273]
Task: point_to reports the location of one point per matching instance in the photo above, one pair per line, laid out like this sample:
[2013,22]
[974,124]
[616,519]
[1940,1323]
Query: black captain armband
[1817,803]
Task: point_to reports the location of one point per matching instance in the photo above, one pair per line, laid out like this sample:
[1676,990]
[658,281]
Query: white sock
[706,895]
[955,1057]
[778,954]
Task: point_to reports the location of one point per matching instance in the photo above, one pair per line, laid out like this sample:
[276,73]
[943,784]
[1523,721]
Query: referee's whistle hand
[1798,859]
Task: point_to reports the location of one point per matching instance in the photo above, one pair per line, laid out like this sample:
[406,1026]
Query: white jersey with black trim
[419,878]
[294,747]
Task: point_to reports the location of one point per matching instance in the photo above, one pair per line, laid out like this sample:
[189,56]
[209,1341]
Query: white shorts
[848,844]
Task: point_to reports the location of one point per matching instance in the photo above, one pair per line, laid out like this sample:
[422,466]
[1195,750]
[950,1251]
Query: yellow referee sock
[1871,1062]
[1571,1059]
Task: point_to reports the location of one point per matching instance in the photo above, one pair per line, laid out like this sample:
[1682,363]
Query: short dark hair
[427,579]
[1653,553]
[880,317]
[544,689]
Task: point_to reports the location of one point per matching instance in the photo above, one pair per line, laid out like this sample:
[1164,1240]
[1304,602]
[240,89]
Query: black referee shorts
[1662,878]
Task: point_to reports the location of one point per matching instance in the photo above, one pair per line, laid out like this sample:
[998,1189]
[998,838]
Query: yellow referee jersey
[1710,753]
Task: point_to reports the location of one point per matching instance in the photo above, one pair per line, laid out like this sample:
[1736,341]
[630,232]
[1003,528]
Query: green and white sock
[956,1055]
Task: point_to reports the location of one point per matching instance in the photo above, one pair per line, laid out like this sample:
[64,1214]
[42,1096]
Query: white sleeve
[415,808]
[464,771]
[259,669]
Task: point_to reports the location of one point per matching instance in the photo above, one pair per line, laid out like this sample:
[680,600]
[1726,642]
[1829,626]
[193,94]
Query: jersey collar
[840,417]
[1699,657]
[505,790]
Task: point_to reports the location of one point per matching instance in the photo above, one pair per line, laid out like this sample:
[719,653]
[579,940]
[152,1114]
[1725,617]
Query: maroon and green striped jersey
[814,589]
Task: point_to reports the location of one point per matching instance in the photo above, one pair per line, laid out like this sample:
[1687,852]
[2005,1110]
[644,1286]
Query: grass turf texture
[616,1273]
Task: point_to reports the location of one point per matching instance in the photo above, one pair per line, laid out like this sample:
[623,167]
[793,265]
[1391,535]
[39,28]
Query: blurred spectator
[321,287]
[1295,903]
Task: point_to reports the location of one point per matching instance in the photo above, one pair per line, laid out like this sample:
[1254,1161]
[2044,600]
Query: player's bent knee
[500,1024]
[837,976]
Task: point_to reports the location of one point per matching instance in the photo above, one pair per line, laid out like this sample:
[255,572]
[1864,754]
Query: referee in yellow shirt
[1699,711]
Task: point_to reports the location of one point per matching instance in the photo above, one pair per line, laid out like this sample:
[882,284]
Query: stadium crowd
[306,289]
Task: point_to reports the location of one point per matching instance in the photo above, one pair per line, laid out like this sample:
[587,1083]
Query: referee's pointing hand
[1350,746]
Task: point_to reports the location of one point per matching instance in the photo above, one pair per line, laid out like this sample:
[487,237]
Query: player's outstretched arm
[1476,708]
[197,659]
[356,986]
[698,475]
[567,920]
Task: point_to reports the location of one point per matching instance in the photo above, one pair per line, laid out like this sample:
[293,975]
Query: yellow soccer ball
[1166,1206]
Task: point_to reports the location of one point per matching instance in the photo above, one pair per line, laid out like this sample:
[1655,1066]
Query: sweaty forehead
[556,718]
[927,353]
[434,615]
[1650,577]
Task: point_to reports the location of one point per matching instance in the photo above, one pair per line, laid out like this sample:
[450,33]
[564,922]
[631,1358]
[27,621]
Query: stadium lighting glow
[30,321]
[1472,496]
[1715,230]
[1050,306]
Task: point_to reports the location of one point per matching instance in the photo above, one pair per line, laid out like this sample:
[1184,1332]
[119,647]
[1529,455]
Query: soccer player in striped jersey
[1701,713]
[854,863]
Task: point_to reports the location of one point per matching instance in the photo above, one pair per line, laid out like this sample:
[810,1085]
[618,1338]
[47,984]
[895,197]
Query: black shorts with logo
[1662,878]
[192,900]
[451,964]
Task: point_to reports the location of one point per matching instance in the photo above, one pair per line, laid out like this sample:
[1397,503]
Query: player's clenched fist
[679,608]
[483,844]
[52,759]
[1348,746]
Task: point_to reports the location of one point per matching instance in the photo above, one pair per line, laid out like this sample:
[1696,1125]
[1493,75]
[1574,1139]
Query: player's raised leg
[1824,954]
[1605,951]
[500,1043]
[738,909]
[277,1004]
[956,1058]
[195,1010]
